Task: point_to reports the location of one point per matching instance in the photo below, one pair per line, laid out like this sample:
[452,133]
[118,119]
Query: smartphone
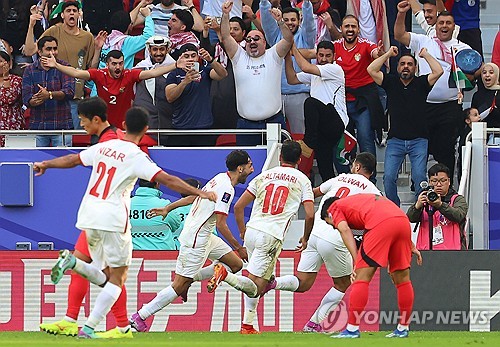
[218,20]
[196,66]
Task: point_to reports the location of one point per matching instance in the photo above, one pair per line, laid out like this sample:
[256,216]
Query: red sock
[78,287]
[357,301]
[405,301]
[119,309]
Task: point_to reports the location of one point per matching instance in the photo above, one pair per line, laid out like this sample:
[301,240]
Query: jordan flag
[346,144]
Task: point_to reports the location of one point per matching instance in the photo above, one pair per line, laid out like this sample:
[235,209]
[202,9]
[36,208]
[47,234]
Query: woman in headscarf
[487,99]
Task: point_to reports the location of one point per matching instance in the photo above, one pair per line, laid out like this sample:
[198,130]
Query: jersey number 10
[275,199]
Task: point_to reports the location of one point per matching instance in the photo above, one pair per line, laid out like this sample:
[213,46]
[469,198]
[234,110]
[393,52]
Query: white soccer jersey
[116,165]
[341,186]
[278,194]
[201,220]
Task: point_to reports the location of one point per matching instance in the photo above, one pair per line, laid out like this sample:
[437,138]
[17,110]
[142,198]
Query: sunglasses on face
[254,39]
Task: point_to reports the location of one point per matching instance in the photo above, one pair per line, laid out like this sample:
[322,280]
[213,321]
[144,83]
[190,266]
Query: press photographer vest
[450,231]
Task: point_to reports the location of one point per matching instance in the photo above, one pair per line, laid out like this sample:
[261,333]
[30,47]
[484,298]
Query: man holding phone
[188,90]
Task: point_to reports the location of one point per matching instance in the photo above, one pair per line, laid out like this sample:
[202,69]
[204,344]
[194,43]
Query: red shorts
[81,244]
[389,243]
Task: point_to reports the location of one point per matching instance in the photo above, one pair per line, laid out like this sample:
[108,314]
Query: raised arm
[29,42]
[67,70]
[156,72]
[308,23]
[230,44]
[291,74]
[436,69]
[284,45]
[400,33]
[198,21]
[218,71]
[304,65]
[375,66]
[271,30]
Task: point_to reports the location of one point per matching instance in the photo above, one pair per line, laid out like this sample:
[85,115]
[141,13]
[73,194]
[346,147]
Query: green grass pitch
[195,339]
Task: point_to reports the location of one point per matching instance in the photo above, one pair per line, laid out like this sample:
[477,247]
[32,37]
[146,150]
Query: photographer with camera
[447,208]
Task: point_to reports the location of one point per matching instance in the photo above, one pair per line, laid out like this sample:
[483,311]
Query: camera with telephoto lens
[431,194]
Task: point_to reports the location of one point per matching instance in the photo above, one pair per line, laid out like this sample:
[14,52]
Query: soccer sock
[242,283]
[103,303]
[162,299]
[78,287]
[90,272]
[357,301]
[405,301]
[208,271]
[119,309]
[328,304]
[289,283]
[250,309]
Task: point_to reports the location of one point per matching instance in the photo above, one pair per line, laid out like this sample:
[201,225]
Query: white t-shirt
[343,185]
[367,27]
[201,220]
[116,166]
[441,92]
[213,8]
[329,88]
[258,84]
[278,194]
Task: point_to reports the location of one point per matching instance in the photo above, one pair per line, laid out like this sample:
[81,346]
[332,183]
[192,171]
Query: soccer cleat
[61,327]
[399,333]
[220,274]
[269,286]
[346,334]
[312,327]
[65,262]
[247,329]
[138,323]
[87,333]
[116,333]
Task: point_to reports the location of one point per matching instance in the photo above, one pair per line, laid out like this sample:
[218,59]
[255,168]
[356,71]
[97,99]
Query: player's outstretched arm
[164,211]
[221,224]
[51,62]
[175,183]
[66,162]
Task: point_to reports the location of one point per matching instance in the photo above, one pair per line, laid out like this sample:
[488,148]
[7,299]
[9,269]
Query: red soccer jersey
[354,62]
[117,92]
[363,211]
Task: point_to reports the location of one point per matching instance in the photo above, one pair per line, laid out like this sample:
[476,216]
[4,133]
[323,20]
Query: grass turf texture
[417,338]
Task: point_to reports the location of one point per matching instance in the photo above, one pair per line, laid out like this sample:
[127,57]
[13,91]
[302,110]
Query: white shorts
[336,257]
[191,260]
[263,251]
[109,248]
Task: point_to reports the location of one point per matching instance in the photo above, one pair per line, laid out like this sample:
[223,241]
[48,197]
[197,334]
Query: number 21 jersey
[278,194]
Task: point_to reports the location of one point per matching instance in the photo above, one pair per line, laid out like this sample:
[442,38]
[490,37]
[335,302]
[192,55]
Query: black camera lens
[432,196]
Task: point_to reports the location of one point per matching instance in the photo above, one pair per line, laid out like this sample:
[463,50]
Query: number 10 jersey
[278,194]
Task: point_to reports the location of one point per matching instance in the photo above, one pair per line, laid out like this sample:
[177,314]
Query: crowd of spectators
[210,64]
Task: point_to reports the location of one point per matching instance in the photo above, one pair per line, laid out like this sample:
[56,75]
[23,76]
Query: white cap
[158,40]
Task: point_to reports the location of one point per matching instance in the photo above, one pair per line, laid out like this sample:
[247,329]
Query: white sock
[242,283]
[69,319]
[328,304]
[352,328]
[90,272]
[162,299]
[250,309]
[289,283]
[105,300]
[403,327]
[208,271]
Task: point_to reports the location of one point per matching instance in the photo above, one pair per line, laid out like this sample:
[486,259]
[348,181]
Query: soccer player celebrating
[93,119]
[198,243]
[387,242]
[103,213]
[325,245]
[278,193]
